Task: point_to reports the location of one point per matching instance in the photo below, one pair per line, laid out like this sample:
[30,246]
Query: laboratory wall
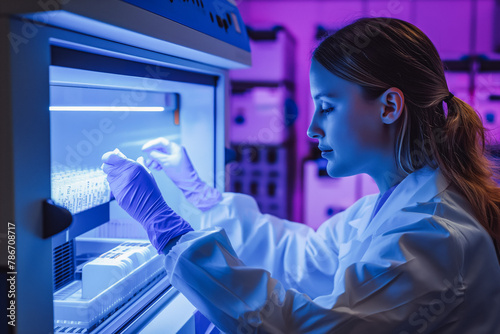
[460,29]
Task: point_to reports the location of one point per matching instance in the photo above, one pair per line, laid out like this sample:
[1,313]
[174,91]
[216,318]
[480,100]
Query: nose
[314,131]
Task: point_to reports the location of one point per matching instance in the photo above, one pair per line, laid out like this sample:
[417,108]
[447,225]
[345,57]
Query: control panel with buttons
[261,172]
[217,18]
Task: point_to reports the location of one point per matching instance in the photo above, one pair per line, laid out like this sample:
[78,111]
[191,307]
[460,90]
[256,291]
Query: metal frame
[25,147]
[123,22]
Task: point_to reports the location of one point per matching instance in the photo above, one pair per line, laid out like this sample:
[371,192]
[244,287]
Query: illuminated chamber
[104,265]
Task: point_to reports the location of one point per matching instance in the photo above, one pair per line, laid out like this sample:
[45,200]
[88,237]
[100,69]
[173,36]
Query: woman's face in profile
[349,129]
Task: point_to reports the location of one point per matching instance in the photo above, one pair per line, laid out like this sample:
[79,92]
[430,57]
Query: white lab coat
[423,264]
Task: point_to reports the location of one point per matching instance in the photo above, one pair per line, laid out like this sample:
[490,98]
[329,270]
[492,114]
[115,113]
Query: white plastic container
[142,268]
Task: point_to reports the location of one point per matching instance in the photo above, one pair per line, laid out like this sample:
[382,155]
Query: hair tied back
[448,98]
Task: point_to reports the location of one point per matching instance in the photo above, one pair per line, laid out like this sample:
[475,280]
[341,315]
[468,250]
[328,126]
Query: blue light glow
[102,108]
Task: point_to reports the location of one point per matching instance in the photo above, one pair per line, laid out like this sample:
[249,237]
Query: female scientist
[417,258]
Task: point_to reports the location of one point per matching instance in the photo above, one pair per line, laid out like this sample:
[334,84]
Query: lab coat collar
[418,187]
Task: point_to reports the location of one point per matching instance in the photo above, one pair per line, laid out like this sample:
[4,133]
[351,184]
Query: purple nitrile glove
[174,161]
[135,190]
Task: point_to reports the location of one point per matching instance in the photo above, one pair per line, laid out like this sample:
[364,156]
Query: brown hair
[379,53]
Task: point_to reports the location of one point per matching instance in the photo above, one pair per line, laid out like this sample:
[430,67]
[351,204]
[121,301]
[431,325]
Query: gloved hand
[136,192]
[173,159]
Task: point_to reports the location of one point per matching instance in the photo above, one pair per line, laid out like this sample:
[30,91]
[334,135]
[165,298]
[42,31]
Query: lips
[325,149]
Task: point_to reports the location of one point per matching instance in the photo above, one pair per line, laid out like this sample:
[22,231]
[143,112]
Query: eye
[327,110]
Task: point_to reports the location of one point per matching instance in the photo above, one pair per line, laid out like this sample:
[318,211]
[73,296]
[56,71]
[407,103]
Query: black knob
[271,189]
[219,21]
[254,186]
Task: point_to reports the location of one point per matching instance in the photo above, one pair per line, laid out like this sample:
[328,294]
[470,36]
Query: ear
[393,102]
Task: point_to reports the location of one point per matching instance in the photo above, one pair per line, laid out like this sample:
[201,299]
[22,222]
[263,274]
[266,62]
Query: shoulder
[443,228]
[448,211]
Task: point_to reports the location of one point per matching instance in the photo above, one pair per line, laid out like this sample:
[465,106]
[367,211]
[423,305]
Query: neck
[387,174]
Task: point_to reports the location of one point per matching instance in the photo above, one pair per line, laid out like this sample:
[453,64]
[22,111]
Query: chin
[338,170]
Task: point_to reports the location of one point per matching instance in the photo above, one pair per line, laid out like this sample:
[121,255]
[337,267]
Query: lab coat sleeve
[292,252]
[408,283]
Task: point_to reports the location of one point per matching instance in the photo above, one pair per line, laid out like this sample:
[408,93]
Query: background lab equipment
[262,116]
[81,79]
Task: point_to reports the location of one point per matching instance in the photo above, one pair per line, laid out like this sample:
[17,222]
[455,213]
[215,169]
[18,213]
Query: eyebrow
[317,96]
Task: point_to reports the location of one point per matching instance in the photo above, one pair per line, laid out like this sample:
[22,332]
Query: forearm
[236,297]
[201,195]
[293,253]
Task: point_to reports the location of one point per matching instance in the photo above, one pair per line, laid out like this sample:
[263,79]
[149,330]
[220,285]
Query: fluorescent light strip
[97,108]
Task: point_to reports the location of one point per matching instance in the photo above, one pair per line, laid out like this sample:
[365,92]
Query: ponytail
[462,157]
